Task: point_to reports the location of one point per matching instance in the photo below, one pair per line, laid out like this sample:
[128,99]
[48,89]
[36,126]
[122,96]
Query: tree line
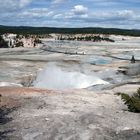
[48,30]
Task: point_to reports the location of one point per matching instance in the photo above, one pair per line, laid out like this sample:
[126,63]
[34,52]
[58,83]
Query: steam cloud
[53,77]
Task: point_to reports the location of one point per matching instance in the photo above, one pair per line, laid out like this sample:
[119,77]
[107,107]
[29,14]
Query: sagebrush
[133,102]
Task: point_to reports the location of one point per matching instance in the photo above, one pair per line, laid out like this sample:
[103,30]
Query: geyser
[53,77]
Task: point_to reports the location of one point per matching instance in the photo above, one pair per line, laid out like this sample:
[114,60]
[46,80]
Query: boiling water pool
[98,60]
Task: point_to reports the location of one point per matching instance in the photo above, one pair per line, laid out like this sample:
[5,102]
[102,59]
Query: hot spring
[53,77]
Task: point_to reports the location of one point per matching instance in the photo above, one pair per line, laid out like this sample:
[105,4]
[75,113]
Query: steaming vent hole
[54,78]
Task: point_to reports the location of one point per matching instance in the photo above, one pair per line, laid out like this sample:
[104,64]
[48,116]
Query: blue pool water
[102,61]
[98,60]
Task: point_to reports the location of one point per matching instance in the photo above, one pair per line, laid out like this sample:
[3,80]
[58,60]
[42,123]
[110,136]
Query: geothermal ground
[65,90]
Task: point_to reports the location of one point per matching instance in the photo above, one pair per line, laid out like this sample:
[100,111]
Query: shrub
[37,41]
[19,44]
[3,43]
[132,102]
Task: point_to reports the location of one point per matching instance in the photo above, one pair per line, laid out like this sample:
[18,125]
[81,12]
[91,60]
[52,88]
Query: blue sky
[71,13]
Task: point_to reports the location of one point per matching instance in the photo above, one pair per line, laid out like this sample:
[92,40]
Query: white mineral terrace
[66,90]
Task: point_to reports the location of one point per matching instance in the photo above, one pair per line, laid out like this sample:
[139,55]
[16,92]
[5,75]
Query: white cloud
[126,13]
[23,3]
[119,18]
[70,13]
[11,5]
[57,1]
[79,9]
[8,5]
[57,16]
[36,13]
[102,16]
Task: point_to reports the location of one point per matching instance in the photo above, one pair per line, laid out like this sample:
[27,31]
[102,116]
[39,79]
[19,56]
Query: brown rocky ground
[36,114]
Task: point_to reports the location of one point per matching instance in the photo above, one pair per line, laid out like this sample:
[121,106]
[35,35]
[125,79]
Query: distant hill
[48,30]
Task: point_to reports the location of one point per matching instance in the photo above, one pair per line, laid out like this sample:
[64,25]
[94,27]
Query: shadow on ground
[5,119]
